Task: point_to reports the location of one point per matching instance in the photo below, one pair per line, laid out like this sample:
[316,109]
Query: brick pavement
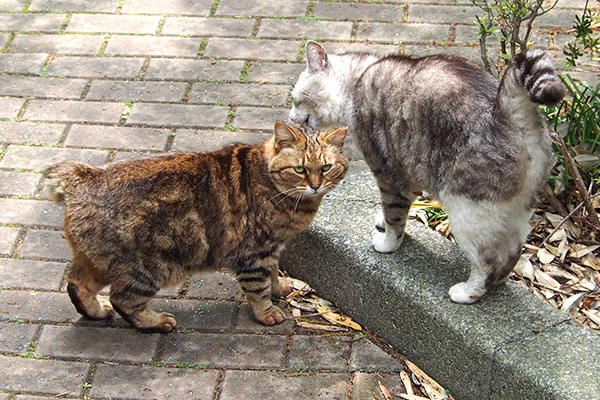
[105,80]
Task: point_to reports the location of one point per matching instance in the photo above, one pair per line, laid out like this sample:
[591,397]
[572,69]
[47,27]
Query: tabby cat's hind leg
[130,296]
[256,280]
[83,286]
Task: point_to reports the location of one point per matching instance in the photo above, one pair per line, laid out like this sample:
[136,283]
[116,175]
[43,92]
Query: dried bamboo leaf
[545,256]
[338,319]
[308,307]
[554,219]
[384,391]
[406,382]
[546,279]
[524,268]
[581,250]
[321,327]
[423,377]
[410,397]
[593,315]
[571,302]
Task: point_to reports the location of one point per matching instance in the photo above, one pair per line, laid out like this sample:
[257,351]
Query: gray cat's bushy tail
[61,178]
[532,76]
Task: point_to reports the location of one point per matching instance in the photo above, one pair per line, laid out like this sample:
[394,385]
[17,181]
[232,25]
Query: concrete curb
[509,345]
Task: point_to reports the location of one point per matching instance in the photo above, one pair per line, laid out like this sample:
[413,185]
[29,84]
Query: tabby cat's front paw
[271,317]
[385,242]
[463,293]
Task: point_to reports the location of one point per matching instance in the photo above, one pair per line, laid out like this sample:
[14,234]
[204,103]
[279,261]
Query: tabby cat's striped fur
[144,224]
[442,125]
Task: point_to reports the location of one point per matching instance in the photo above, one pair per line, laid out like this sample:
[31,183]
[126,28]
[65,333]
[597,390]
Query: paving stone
[178,115]
[285,50]
[153,46]
[442,13]
[38,158]
[113,137]
[10,106]
[196,141]
[183,7]
[32,22]
[19,397]
[278,385]
[15,337]
[207,26]
[8,239]
[99,23]
[18,183]
[289,8]
[98,344]
[275,72]
[41,87]
[131,155]
[3,39]
[294,29]
[467,34]
[96,67]
[38,307]
[364,385]
[225,350]
[259,118]
[42,376]
[239,93]
[74,5]
[556,18]
[366,356]
[319,352]
[136,90]
[12,5]
[359,12]
[364,47]
[30,212]
[45,244]
[31,133]
[246,322]
[182,69]
[22,63]
[214,285]
[119,381]
[74,111]
[403,32]
[29,274]
[57,44]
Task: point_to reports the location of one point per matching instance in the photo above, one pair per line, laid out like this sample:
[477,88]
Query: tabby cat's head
[306,162]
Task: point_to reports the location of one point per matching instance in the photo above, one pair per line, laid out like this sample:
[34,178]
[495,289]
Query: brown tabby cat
[141,225]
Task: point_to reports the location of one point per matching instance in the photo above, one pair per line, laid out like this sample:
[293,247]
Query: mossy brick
[15,337]
[557,18]
[178,115]
[30,212]
[367,356]
[102,23]
[200,26]
[136,382]
[74,5]
[300,29]
[96,67]
[196,140]
[289,8]
[45,244]
[18,183]
[365,384]
[359,12]
[31,274]
[73,111]
[153,46]
[22,63]
[8,239]
[284,50]
[259,117]
[284,385]
[41,87]
[239,93]
[186,69]
[97,343]
[183,7]
[442,13]
[403,32]
[216,285]
[3,39]
[57,44]
[44,377]
[30,133]
[31,22]
[328,352]
[275,72]
[225,350]
[12,5]
[137,91]
[113,137]
[38,158]
[37,307]
[10,106]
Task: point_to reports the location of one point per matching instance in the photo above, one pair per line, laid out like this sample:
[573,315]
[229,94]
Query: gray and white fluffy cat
[445,126]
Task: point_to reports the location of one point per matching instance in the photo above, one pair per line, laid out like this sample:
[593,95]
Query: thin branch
[565,219]
[553,201]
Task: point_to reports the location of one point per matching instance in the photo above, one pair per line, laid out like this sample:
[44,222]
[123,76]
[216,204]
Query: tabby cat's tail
[61,178]
[531,75]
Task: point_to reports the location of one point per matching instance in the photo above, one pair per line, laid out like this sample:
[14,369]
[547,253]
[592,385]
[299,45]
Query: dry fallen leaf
[338,319]
[545,256]
[384,391]
[571,301]
[406,383]
[524,268]
[321,327]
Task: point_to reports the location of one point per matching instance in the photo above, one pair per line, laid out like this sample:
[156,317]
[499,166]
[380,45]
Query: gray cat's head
[317,96]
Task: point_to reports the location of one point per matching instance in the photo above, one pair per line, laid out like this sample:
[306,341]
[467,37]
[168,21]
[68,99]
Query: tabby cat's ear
[335,137]
[285,136]
[316,58]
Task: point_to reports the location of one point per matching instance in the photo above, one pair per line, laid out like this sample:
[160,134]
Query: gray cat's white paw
[380,220]
[385,242]
[464,294]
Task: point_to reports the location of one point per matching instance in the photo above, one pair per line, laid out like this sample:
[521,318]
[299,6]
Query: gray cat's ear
[316,58]
[335,137]
[285,136]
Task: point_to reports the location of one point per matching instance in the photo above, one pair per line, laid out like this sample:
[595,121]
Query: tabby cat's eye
[299,169]
[326,167]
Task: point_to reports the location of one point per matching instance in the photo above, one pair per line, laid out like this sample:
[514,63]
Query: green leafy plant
[584,39]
